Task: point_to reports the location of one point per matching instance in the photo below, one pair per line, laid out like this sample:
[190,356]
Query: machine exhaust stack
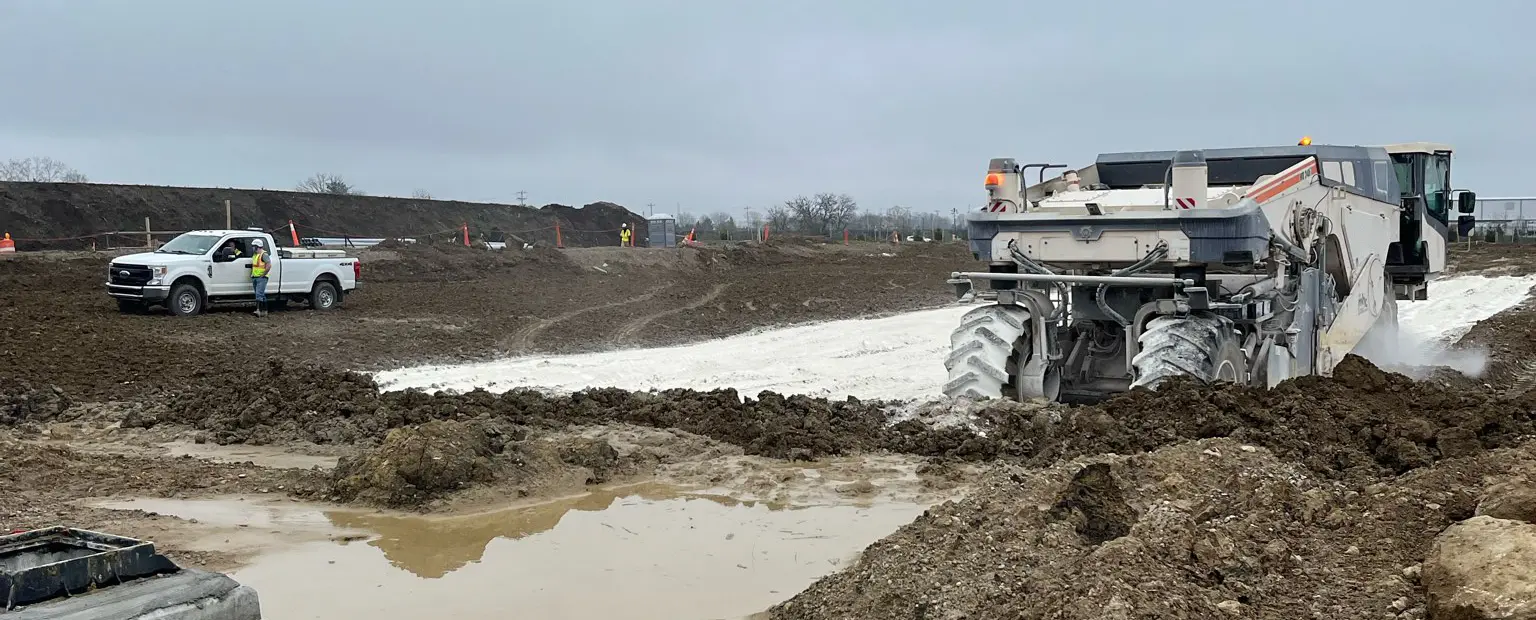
[1190,180]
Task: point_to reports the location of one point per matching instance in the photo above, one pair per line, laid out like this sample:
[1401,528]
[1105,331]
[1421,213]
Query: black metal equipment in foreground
[55,562]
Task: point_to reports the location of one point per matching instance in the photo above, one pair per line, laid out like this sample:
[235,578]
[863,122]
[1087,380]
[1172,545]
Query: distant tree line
[822,214]
[39,170]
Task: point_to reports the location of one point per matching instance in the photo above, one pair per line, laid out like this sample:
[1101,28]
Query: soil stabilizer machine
[1243,265]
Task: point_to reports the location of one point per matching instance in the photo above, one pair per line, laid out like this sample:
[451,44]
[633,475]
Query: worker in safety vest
[259,267]
[626,236]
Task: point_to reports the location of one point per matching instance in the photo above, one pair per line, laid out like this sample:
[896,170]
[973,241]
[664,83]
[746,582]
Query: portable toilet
[662,231]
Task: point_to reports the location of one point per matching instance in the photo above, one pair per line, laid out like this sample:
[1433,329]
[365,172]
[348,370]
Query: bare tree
[421,194]
[900,217]
[323,183]
[823,212]
[840,211]
[40,170]
[779,218]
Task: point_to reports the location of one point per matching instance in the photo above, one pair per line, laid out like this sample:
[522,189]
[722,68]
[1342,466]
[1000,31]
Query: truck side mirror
[224,255]
[1466,202]
[1465,224]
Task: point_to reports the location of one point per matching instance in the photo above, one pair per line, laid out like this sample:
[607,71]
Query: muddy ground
[440,303]
[1321,498]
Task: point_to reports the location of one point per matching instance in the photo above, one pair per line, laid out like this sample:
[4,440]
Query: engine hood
[151,258]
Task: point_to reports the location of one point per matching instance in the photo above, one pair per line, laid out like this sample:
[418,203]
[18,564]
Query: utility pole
[522,198]
[650,209]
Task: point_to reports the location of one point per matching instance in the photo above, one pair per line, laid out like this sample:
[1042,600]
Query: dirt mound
[41,211]
[418,463]
[1198,530]
[284,402]
[22,402]
[1362,421]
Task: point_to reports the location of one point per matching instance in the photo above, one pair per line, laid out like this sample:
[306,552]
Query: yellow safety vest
[259,265]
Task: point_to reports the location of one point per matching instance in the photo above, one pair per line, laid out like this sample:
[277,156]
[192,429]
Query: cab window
[1437,170]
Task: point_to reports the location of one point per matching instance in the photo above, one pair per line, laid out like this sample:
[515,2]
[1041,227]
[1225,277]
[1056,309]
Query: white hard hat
[256,243]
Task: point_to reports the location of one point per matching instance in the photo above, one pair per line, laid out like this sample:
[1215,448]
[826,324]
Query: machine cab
[1423,171]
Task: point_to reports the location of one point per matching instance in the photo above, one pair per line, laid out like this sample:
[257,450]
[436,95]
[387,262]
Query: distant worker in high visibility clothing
[626,236]
[259,267]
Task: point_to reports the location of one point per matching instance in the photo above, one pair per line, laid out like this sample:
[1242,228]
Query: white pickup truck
[204,267]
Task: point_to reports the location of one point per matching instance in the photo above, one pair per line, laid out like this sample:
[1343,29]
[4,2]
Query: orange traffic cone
[6,245]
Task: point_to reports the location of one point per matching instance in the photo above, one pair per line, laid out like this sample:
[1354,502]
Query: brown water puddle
[637,552]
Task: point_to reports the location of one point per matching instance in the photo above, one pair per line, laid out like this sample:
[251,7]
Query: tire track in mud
[522,339]
[633,327]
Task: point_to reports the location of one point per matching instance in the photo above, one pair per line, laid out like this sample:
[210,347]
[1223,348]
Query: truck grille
[128,275]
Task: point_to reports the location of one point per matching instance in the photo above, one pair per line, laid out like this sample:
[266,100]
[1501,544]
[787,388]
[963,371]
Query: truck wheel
[1203,347]
[985,353]
[129,306]
[323,296]
[185,300]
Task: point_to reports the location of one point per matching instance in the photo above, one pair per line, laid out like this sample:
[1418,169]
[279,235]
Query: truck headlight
[156,273]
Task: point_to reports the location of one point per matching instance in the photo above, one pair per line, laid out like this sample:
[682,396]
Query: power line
[522,198]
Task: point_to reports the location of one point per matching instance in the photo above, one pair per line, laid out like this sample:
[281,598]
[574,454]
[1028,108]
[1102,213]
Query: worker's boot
[261,308]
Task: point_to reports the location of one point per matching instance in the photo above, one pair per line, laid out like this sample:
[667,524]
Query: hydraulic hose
[1029,264]
[1157,253]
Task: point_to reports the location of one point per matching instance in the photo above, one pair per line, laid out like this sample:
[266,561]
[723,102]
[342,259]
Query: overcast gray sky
[717,105]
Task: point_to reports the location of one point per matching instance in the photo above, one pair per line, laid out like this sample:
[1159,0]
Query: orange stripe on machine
[1287,179]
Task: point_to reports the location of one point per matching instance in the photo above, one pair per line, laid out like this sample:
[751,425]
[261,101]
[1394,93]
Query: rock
[1231,607]
[1482,568]
[1513,499]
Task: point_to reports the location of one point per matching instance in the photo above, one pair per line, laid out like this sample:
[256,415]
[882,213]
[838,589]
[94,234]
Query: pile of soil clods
[1361,421]
[417,463]
[1204,529]
[23,402]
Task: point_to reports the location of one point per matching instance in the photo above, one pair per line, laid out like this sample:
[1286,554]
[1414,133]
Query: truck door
[232,277]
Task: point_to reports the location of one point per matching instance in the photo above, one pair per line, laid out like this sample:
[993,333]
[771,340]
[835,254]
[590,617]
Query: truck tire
[324,296]
[1200,346]
[129,306]
[185,300]
[985,353]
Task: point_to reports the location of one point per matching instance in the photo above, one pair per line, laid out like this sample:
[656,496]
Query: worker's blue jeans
[261,288]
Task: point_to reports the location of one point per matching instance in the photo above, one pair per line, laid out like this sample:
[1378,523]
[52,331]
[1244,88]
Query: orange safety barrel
[6,245]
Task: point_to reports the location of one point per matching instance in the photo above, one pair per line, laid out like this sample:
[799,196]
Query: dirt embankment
[440,303]
[1209,529]
[1360,425]
[65,215]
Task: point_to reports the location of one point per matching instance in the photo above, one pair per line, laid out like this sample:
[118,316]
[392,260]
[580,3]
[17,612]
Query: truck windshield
[189,244]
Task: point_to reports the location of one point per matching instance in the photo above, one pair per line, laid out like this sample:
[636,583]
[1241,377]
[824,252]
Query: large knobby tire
[324,296]
[185,300]
[985,353]
[1201,346]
